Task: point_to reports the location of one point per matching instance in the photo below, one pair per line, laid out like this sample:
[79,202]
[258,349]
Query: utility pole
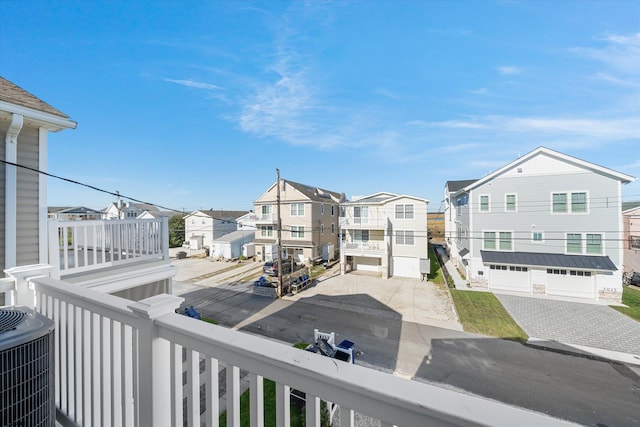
[279,226]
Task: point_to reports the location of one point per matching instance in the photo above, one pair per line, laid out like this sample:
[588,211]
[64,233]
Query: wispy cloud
[193,83]
[386,93]
[621,52]
[481,91]
[507,70]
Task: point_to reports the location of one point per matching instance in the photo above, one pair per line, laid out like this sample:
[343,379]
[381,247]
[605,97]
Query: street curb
[539,344]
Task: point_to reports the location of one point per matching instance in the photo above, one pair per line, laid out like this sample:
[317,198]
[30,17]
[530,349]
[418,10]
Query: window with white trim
[569,202]
[484,203]
[297,209]
[537,237]
[594,243]
[489,240]
[404,237]
[266,231]
[265,211]
[574,243]
[297,231]
[404,211]
[510,203]
[360,235]
[578,202]
[506,241]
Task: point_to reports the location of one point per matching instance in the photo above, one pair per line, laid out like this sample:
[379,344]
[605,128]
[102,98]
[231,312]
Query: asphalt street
[578,389]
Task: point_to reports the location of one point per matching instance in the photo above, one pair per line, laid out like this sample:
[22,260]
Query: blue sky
[194,104]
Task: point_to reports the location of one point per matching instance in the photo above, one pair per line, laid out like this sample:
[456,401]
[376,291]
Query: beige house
[631,227]
[386,234]
[309,218]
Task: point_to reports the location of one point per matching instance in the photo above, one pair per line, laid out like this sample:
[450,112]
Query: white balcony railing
[358,222]
[80,246]
[363,247]
[125,363]
[269,218]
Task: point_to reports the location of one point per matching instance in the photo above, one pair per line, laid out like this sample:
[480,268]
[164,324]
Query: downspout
[11,191]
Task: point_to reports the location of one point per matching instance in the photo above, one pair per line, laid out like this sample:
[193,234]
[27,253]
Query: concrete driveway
[585,326]
[417,301]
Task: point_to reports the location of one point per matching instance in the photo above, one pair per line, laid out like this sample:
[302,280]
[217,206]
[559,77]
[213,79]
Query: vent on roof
[26,368]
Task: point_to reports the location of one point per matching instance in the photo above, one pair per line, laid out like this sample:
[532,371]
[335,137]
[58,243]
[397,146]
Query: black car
[271,267]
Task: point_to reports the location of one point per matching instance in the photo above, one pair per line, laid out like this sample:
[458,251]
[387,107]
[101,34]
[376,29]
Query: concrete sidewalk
[458,281]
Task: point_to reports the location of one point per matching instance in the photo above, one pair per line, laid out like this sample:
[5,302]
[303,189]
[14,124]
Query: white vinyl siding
[3,155]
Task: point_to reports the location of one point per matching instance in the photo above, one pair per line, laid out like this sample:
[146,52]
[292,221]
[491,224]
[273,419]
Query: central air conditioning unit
[27,376]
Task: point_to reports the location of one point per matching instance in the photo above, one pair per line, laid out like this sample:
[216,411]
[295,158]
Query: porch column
[11,192]
[153,361]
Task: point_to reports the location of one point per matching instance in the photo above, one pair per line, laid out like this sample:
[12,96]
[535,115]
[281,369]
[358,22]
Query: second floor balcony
[122,363]
[365,222]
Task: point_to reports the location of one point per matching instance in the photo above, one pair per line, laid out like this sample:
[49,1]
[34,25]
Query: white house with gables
[546,223]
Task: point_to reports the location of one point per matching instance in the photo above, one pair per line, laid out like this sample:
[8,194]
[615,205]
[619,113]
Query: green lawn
[482,313]
[436,276]
[630,297]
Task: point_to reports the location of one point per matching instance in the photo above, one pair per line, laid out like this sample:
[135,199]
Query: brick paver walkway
[588,325]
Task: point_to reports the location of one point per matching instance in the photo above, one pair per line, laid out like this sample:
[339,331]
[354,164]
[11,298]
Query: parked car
[271,267]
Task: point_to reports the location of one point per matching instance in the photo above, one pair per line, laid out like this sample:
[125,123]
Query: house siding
[3,134]
[534,212]
[27,244]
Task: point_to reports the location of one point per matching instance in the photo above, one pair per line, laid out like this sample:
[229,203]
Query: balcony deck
[126,363]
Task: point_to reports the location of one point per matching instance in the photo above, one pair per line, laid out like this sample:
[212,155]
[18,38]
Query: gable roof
[236,235]
[219,214]
[315,194]
[14,99]
[382,198]
[72,210]
[454,186]
[624,178]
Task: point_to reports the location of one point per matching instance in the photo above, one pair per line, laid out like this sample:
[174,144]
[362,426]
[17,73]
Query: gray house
[546,223]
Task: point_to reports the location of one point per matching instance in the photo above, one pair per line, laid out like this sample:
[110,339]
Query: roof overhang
[538,259]
[36,118]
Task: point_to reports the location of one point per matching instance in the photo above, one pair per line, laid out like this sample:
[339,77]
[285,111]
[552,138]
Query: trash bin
[206,251]
[181,255]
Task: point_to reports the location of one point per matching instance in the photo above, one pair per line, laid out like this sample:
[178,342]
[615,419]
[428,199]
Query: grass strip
[482,313]
[630,297]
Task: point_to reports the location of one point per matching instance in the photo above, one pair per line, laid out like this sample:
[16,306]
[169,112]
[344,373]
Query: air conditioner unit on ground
[26,368]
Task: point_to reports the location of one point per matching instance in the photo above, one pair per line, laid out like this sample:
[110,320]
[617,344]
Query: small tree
[176,230]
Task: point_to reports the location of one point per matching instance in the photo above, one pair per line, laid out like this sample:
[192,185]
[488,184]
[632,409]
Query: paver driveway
[583,324]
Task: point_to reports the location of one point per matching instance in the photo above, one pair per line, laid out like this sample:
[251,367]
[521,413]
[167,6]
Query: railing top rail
[387,397]
[97,302]
[103,221]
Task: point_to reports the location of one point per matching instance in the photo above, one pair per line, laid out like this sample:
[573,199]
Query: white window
[594,243]
[510,203]
[404,211]
[404,237]
[266,230]
[297,209]
[265,211]
[322,209]
[361,235]
[506,242]
[484,203]
[574,243]
[360,214]
[297,232]
[576,202]
[489,240]
[537,237]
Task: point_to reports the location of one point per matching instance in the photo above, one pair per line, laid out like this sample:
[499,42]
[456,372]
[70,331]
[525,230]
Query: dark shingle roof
[12,93]
[220,214]
[454,186]
[582,262]
[315,193]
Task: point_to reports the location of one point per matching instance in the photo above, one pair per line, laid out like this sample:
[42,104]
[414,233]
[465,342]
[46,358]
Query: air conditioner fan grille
[10,319]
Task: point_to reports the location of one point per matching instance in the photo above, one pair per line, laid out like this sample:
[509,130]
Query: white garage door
[366,264]
[571,286]
[509,280]
[405,267]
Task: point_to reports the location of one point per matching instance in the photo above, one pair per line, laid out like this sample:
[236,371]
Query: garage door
[366,264]
[405,267]
[571,286]
[509,280]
